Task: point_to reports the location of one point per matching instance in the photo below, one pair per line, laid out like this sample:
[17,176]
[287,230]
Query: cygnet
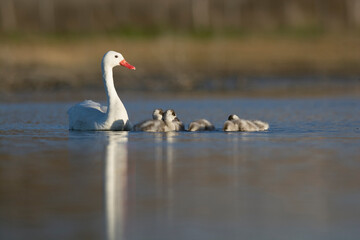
[154,125]
[158,114]
[172,122]
[201,125]
[234,123]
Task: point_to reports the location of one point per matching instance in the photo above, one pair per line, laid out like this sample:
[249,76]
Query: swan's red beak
[127,65]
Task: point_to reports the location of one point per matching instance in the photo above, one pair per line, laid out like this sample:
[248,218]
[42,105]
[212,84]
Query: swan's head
[233,117]
[113,59]
[169,115]
[158,114]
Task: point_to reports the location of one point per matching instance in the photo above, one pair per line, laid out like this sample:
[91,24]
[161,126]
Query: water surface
[299,180]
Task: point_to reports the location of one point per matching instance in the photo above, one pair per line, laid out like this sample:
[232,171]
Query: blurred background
[230,46]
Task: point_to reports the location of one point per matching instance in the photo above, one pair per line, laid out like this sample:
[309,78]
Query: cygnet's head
[113,59]
[169,115]
[158,114]
[233,117]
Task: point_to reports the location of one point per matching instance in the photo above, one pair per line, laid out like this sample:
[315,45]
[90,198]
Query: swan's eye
[116,56]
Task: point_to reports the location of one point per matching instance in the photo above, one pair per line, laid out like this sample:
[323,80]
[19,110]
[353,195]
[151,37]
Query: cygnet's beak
[127,65]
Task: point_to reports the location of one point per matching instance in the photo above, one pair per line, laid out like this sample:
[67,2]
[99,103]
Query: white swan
[90,115]
[154,125]
[234,123]
[201,125]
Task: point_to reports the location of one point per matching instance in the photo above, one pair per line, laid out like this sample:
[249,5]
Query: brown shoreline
[174,63]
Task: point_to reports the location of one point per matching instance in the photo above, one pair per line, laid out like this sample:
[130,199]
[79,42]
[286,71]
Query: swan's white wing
[90,104]
[82,116]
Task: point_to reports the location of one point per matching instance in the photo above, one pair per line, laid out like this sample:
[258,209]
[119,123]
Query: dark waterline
[299,180]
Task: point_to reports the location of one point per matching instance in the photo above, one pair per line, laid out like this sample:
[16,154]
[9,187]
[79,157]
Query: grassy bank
[174,62]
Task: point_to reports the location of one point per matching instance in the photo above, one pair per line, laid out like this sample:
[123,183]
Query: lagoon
[299,180]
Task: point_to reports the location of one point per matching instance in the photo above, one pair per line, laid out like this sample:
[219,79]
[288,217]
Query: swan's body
[90,115]
[201,125]
[234,123]
[154,125]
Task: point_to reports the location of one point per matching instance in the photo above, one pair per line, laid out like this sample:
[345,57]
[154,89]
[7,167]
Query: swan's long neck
[114,103]
[112,97]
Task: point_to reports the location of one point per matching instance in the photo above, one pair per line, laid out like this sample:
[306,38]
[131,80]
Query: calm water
[299,180]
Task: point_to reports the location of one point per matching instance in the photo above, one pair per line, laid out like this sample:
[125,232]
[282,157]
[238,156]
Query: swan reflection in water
[117,175]
[116,178]
[113,146]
